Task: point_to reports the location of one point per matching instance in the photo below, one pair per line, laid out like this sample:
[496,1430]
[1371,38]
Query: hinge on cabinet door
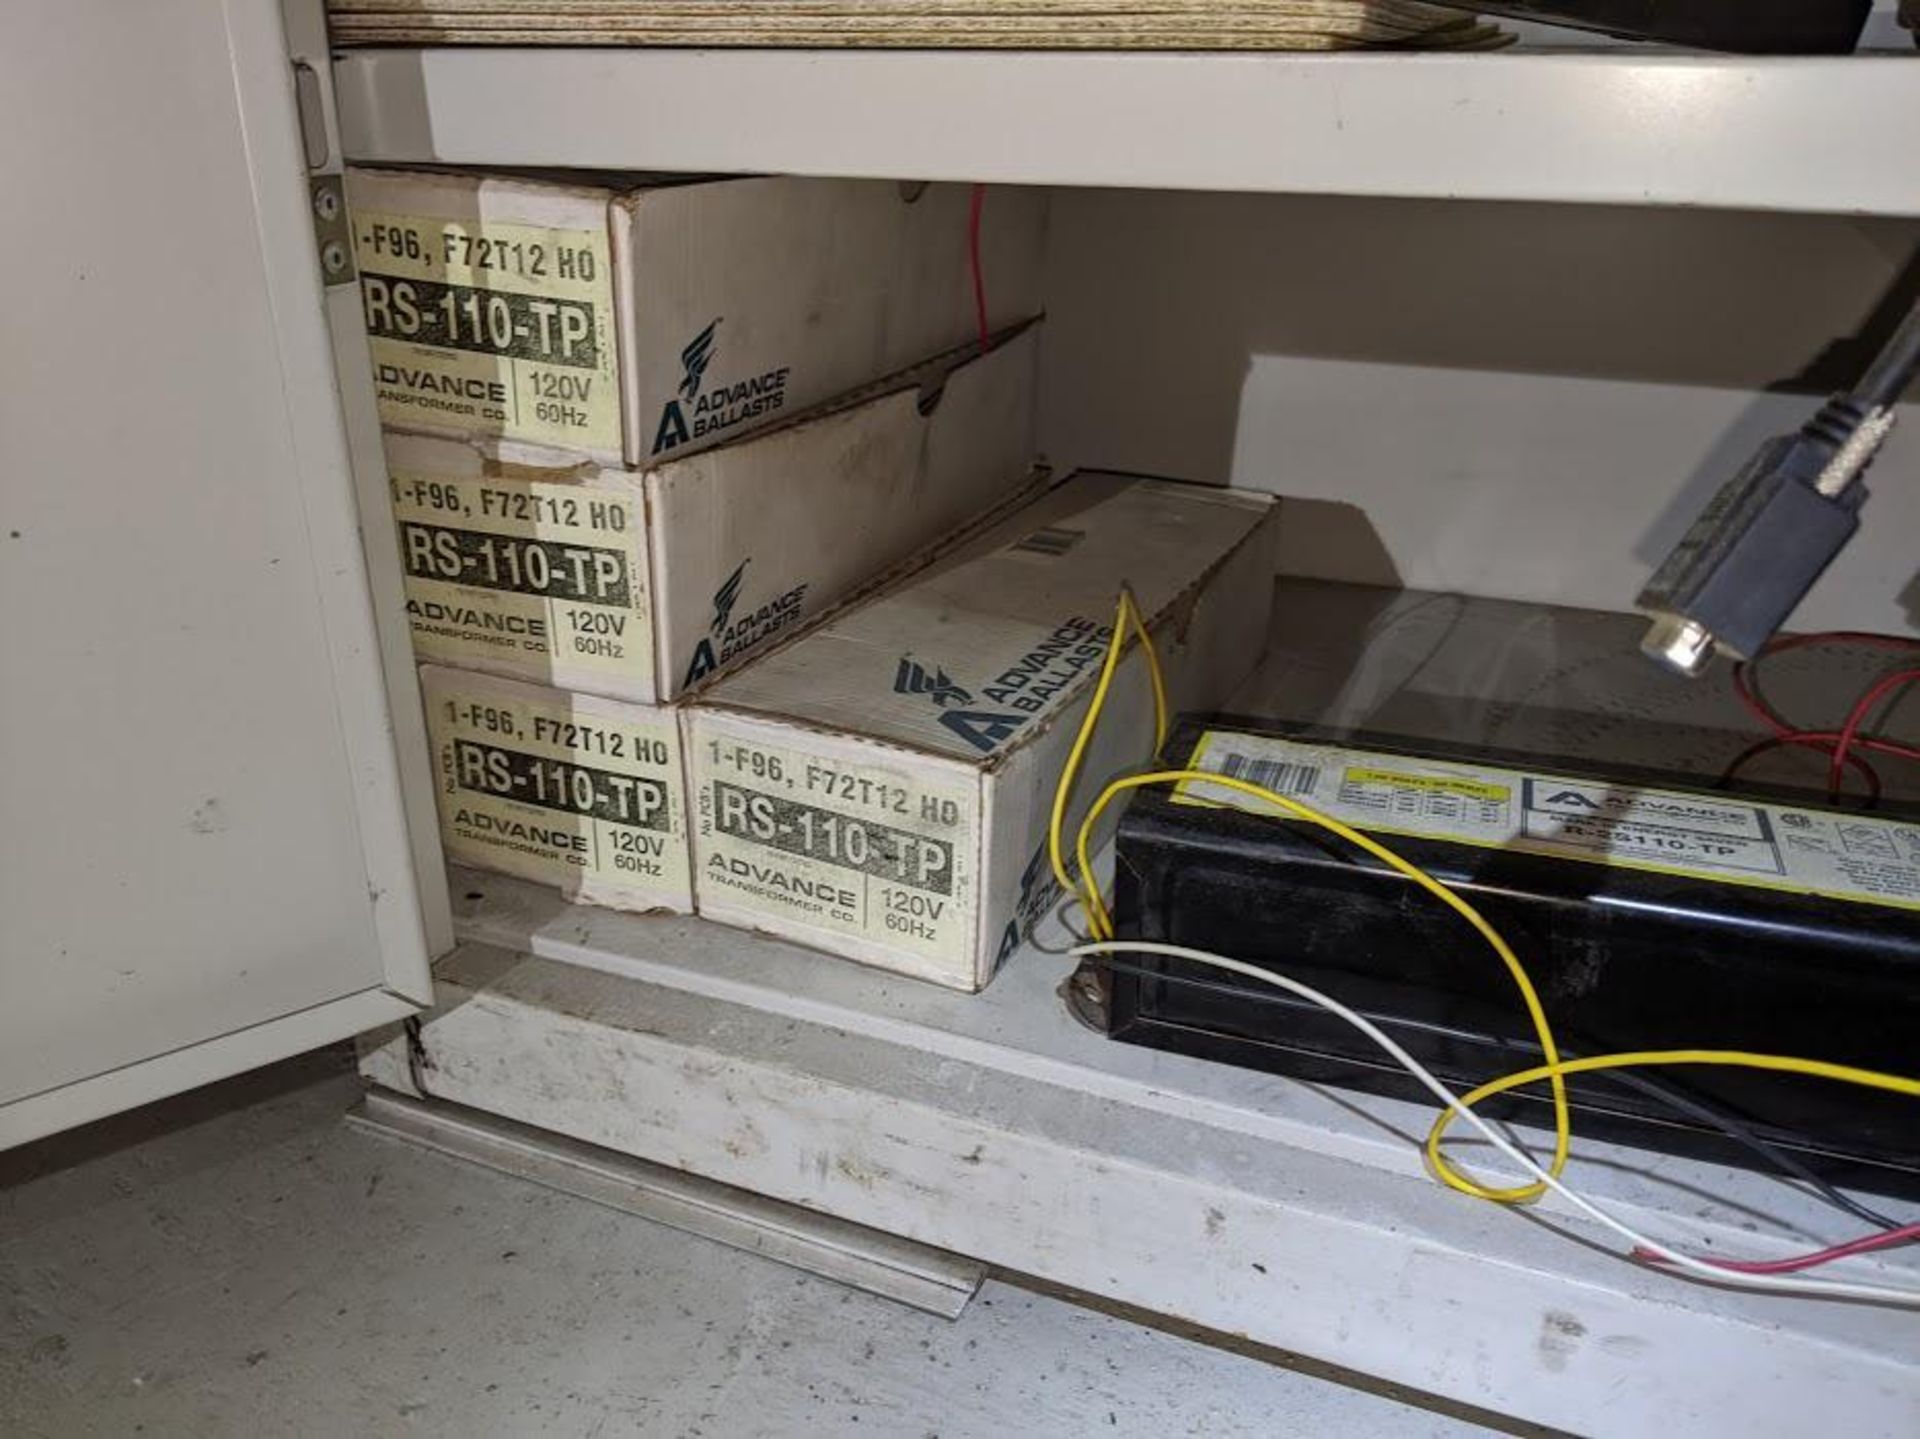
[327,196]
[330,232]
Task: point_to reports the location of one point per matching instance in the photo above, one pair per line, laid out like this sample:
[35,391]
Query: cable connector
[1763,540]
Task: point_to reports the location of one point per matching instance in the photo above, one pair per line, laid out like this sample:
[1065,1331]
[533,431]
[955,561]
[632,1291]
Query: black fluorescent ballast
[1650,915]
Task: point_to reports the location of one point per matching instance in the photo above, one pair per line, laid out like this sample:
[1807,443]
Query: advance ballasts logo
[727,596]
[983,729]
[1024,689]
[727,637]
[694,360]
[911,678]
[698,410]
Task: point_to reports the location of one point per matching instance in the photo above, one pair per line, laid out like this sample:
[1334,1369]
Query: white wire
[1773,1283]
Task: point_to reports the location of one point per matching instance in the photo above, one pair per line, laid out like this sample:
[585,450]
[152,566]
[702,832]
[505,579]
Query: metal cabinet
[207,859]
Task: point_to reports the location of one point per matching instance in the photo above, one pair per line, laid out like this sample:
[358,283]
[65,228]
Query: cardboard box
[646,317]
[638,586]
[879,786]
[581,793]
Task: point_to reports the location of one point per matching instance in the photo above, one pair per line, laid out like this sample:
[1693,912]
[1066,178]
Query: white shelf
[1610,127]
[997,1127]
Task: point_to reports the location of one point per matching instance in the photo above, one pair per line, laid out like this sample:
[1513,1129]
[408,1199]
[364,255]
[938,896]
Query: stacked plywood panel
[918,24]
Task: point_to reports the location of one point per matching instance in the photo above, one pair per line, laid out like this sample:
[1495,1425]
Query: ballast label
[577,799]
[491,328]
[1734,841]
[528,578]
[876,851]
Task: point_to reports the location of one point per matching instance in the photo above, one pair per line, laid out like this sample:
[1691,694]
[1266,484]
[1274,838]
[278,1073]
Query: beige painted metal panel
[1622,126]
[205,861]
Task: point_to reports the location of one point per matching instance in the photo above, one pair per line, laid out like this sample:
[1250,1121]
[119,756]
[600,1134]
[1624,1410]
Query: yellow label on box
[873,850]
[490,328]
[1724,838]
[554,790]
[1430,783]
[545,580]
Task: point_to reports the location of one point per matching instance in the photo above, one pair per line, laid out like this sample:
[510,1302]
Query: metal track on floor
[883,1264]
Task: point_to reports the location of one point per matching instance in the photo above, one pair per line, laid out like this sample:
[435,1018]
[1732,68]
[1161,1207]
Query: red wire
[1824,738]
[1869,639]
[1813,739]
[1899,679]
[1748,696]
[977,204]
[1885,1239]
[1838,744]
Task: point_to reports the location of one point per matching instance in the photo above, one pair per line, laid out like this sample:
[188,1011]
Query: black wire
[1894,367]
[1781,1159]
[1694,1109]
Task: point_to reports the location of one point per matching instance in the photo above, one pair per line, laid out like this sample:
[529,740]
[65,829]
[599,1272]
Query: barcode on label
[1280,776]
[1050,540]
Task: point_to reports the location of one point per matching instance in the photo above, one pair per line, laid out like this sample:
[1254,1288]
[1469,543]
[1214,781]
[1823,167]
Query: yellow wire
[1735,1058]
[1101,922]
[1555,1070]
[1154,677]
[1126,615]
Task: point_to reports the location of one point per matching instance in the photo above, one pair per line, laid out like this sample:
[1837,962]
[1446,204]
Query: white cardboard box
[582,793]
[638,585]
[879,786]
[643,318]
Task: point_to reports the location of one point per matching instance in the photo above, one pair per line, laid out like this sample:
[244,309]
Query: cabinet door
[206,859]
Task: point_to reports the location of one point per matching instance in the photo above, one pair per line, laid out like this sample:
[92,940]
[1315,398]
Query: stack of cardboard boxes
[638,430]
[641,432]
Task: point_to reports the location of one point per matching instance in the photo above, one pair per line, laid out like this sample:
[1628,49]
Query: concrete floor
[237,1261]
